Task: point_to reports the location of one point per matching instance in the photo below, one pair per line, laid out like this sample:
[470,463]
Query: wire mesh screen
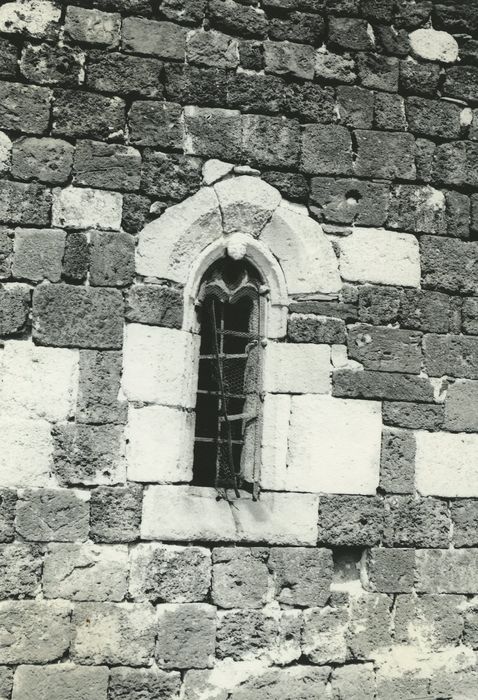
[228,395]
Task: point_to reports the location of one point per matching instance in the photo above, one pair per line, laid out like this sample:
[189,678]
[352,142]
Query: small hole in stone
[353,197]
[346,564]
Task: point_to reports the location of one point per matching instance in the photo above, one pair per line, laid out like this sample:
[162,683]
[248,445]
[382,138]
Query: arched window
[231,310]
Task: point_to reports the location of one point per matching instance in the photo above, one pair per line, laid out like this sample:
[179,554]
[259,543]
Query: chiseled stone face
[63,680]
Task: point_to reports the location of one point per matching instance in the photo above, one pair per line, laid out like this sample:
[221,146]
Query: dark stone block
[449,264]
[170,176]
[385,349]
[155,124]
[470,316]
[24,108]
[417,416]
[410,14]
[459,16]
[302,575]
[347,311]
[389,112]
[116,513]
[197,86]
[124,75]
[213,133]
[378,72]
[391,570]
[311,102]
[234,18]
[85,114]
[419,78]
[291,185]
[460,407]
[85,317]
[251,55]
[464,516]
[425,151]
[433,117]
[412,522]
[6,251]
[98,387]
[385,155]
[347,201]
[355,106]
[76,259]
[156,305]
[135,212]
[298,26]
[425,311]
[270,141]
[417,209]
[24,204]
[143,683]
[462,82]
[106,165]
[351,521]
[51,65]
[8,499]
[379,305]
[397,461]
[44,159]
[349,33]
[392,41]
[8,59]
[453,355]
[256,93]
[112,259]
[458,214]
[456,163]
[309,328]
[14,308]
[326,150]
[163,39]
[52,515]
[387,386]
[335,67]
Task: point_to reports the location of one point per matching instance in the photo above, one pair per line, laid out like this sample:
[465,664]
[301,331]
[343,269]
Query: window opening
[228,405]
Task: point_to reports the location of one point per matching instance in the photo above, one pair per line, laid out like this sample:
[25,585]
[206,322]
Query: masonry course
[354,574]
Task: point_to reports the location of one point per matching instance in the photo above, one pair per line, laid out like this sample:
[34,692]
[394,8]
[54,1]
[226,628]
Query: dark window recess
[228,406]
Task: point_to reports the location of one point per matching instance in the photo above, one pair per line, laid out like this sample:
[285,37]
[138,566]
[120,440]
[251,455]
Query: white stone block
[26,454]
[161,441]
[32,17]
[5,150]
[160,365]
[334,445]
[246,204]
[446,464]
[38,381]
[305,253]
[275,435]
[186,513]
[380,257]
[277,518]
[83,207]
[433,45]
[297,368]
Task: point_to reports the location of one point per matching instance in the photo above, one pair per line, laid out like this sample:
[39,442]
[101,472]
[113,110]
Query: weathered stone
[326,150]
[212,49]
[186,635]
[14,308]
[266,94]
[333,310]
[324,635]
[163,39]
[38,254]
[350,34]
[169,574]
[123,74]
[446,571]
[417,209]
[332,66]
[143,684]
[446,464]
[458,212]
[34,631]
[378,72]
[425,152]
[8,58]
[45,159]
[155,305]
[6,681]
[379,305]
[24,204]
[353,680]
[455,163]
[434,46]
[301,576]
[26,456]
[76,258]
[215,133]
[112,259]
[135,212]
[111,166]
[470,316]
[82,208]
[65,315]
[460,400]
[270,141]
[8,501]
[350,520]
[425,311]
[296,368]
[309,328]
[240,578]
[47,515]
[187,11]
[297,26]
[413,415]
[251,54]
[5,153]
[464,516]
[24,108]
[419,78]
[370,625]
[435,620]
[412,522]
[434,117]
[292,683]
[380,385]
[92,26]
[449,265]
[52,65]
[242,632]
[391,570]
[385,155]
[83,114]
[63,680]
[20,571]
[397,461]
[115,513]
[348,201]
[290,59]
[452,355]
[113,633]
[155,124]
[385,349]
[6,250]
[462,82]
[194,85]
[170,175]
[98,388]
[291,185]
[36,18]
[236,18]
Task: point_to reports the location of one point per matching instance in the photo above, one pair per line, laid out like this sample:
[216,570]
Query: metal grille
[228,394]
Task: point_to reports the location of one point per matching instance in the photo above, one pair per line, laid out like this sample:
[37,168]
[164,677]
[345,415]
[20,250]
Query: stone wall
[340,139]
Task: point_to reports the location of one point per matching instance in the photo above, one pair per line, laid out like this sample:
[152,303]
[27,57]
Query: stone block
[311,102]
[370,626]
[292,186]
[169,574]
[154,365]
[353,680]
[237,18]
[302,576]
[435,620]
[123,74]
[324,635]
[419,78]
[160,447]
[297,368]
[331,460]
[464,516]
[244,632]
[8,59]
[333,66]
[98,387]
[20,571]
[458,213]
[432,45]
[76,259]
[297,26]
[240,577]
[350,34]
[190,84]
[35,18]
[418,209]
[446,464]
[270,141]
[449,264]
[6,682]
[387,386]
[26,456]
[82,208]
[135,212]
[115,513]
[63,680]
[52,65]
[145,36]
[455,163]
[65,315]
[416,522]
[24,108]
[170,175]
[379,305]
[453,355]
[290,59]
[434,117]
[385,155]
[14,308]
[461,398]
[267,94]
[292,683]
[8,499]
[143,684]
[378,72]
[6,250]
[447,571]
[212,49]
[214,133]
[111,166]
[156,124]
[309,328]
[392,258]
[347,201]
[34,631]
[355,106]
[397,461]
[350,521]
[251,54]
[389,112]
[24,204]
[83,572]
[247,204]
[416,416]
[38,254]
[186,635]
[81,114]
[155,305]
[425,311]
[92,26]
[38,382]
[112,259]
[113,633]
[326,150]
[88,454]
[44,159]
[385,349]
[470,316]
[391,570]
[461,82]
[52,515]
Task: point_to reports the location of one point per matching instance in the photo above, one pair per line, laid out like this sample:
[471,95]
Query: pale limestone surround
[446,464]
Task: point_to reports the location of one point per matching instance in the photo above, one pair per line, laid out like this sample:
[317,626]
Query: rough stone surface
[155,305]
[434,46]
[385,349]
[186,636]
[350,520]
[397,461]
[38,254]
[143,684]
[20,567]
[115,513]
[82,208]
[391,570]
[446,571]
[98,387]
[413,522]
[8,500]
[63,680]
[46,515]
[301,576]
[14,307]
[44,159]
[240,578]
